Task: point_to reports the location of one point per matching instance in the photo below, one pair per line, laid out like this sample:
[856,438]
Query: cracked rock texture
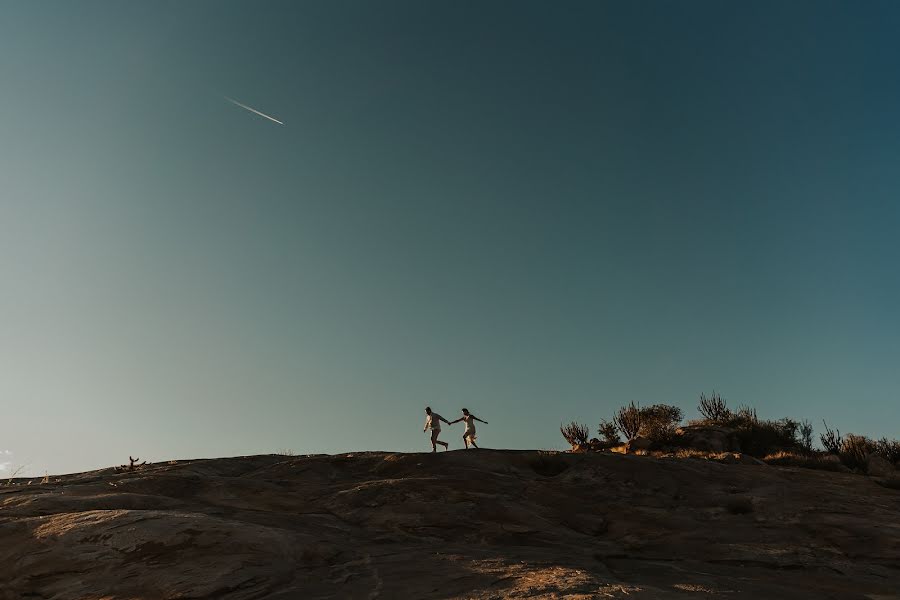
[477,524]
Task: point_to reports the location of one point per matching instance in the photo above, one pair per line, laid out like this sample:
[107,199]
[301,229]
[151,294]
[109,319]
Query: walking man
[433,422]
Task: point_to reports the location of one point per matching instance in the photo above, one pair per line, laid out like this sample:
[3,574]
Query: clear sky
[539,211]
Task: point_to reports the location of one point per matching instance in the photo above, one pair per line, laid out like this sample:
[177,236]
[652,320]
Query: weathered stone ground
[478,524]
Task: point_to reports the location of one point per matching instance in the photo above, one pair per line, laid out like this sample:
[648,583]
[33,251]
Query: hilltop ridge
[477,524]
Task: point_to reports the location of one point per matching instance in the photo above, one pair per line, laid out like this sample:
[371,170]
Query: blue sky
[538,211]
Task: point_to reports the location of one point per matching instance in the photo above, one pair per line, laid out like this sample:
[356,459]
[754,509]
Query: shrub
[855,451]
[806,435]
[658,422]
[831,439]
[744,416]
[575,433]
[889,450]
[713,408]
[609,432]
[760,438]
[628,420]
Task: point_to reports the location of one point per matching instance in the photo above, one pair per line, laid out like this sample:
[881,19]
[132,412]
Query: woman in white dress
[469,434]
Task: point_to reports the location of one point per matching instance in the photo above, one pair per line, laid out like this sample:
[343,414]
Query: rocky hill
[477,524]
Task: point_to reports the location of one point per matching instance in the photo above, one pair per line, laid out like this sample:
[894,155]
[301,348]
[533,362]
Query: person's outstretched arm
[446,421]
[479,420]
[452,422]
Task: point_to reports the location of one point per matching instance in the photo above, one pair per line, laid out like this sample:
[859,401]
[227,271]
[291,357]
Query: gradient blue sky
[537,210]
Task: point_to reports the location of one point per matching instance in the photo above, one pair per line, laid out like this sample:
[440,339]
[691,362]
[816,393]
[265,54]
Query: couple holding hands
[433,422]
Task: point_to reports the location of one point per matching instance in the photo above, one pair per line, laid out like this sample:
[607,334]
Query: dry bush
[713,408]
[628,420]
[575,433]
[819,462]
[744,416]
[609,432]
[806,435]
[889,450]
[658,422]
[855,451]
[831,439]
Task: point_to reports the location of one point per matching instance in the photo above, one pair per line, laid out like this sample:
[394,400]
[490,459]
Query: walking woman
[469,434]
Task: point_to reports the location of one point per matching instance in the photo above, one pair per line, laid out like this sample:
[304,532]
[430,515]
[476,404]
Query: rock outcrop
[478,524]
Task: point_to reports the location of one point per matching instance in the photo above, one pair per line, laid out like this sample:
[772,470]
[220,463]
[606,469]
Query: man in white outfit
[433,422]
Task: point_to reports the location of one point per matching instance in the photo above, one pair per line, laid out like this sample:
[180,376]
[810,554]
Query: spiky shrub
[889,450]
[831,439]
[658,422]
[805,432]
[714,408]
[628,420]
[609,432]
[855,451]
[744,416]
[575,433]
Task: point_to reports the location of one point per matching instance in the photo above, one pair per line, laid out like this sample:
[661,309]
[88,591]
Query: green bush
[658,422]
[609,432]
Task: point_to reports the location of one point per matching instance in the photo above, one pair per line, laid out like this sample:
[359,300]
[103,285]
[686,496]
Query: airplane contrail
[253,110]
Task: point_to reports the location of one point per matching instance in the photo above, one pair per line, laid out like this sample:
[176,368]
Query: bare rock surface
[479,524]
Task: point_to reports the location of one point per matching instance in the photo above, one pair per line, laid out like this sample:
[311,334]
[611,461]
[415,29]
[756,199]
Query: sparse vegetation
[575,433]
[855,451]
[821,461]
[628,421]
[724,434]
[609,431]
[133,465]
[14,473]
[714,408]
[831,439]
[806,436]
[889,450]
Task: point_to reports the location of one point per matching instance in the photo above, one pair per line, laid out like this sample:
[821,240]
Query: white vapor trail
[253,110]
